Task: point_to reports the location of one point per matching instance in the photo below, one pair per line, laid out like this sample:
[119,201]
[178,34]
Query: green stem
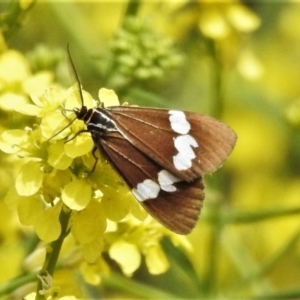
[13,284]
[135,289]
[132,8]
[217,82]
[218,183]
[210,277]
[80,34]
[13,17]
[52,255]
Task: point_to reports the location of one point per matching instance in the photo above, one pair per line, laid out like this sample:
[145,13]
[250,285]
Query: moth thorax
[99,121]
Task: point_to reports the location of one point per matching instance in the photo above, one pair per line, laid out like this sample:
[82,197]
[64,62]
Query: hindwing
[174,203]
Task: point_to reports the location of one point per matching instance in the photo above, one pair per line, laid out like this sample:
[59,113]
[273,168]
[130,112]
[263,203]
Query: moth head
[80,112]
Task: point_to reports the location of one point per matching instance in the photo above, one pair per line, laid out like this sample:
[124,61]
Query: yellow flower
[16,80]
[127,255]
[55,175]
[92,272]
[132,239]
[219,20]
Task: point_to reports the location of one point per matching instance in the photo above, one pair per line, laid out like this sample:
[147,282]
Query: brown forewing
[179,210]
[150,131]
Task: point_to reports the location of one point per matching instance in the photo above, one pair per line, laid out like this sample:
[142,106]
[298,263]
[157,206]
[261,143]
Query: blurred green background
[236,61]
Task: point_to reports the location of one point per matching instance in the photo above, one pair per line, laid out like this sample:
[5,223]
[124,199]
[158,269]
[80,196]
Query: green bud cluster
[140,53]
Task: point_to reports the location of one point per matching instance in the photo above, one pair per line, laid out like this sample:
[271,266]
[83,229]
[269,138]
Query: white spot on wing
[148,189]
[166,181]
[183,159]
[179,122]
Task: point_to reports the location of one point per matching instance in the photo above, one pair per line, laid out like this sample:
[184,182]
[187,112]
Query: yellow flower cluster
[54,175]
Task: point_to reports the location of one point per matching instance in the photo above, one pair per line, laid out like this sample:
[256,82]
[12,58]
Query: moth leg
[96,158]
[73,137]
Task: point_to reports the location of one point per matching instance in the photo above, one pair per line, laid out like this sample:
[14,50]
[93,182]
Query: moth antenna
[80,93]
[75,74]
[57,133]
[64,112]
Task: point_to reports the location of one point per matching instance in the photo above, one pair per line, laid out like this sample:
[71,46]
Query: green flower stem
[132,9]
[269,264]
[13,16]
[52,256]
[233,217]
[218,182]
[13,284]
[217,81]
[81,33]
[135,289]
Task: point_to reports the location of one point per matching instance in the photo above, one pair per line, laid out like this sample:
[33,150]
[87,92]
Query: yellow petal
[92,251]
[156,260]
[79,146]
[11,101]
[92,272]
[31,296]
[38,82]
[73,99]
[12,198]
[28,109]
[108,97]
[57,157]
[77,194]
[89,223]
[13,67]
[30,179]
[115,204]
[47,226]
[249,66]
[53,123]
[135,208]
[242,18]
[126,255]
[53,184]
[12,140]
[29,210]
[214,25]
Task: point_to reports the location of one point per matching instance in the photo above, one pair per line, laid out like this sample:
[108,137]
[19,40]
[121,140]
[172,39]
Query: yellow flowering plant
[239,63]
[56,193]
[77,214]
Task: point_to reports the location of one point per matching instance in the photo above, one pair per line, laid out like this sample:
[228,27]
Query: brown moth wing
[178,210]
[149,129]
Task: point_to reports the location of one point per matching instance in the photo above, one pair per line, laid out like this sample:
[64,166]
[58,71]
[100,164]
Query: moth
[162,155]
